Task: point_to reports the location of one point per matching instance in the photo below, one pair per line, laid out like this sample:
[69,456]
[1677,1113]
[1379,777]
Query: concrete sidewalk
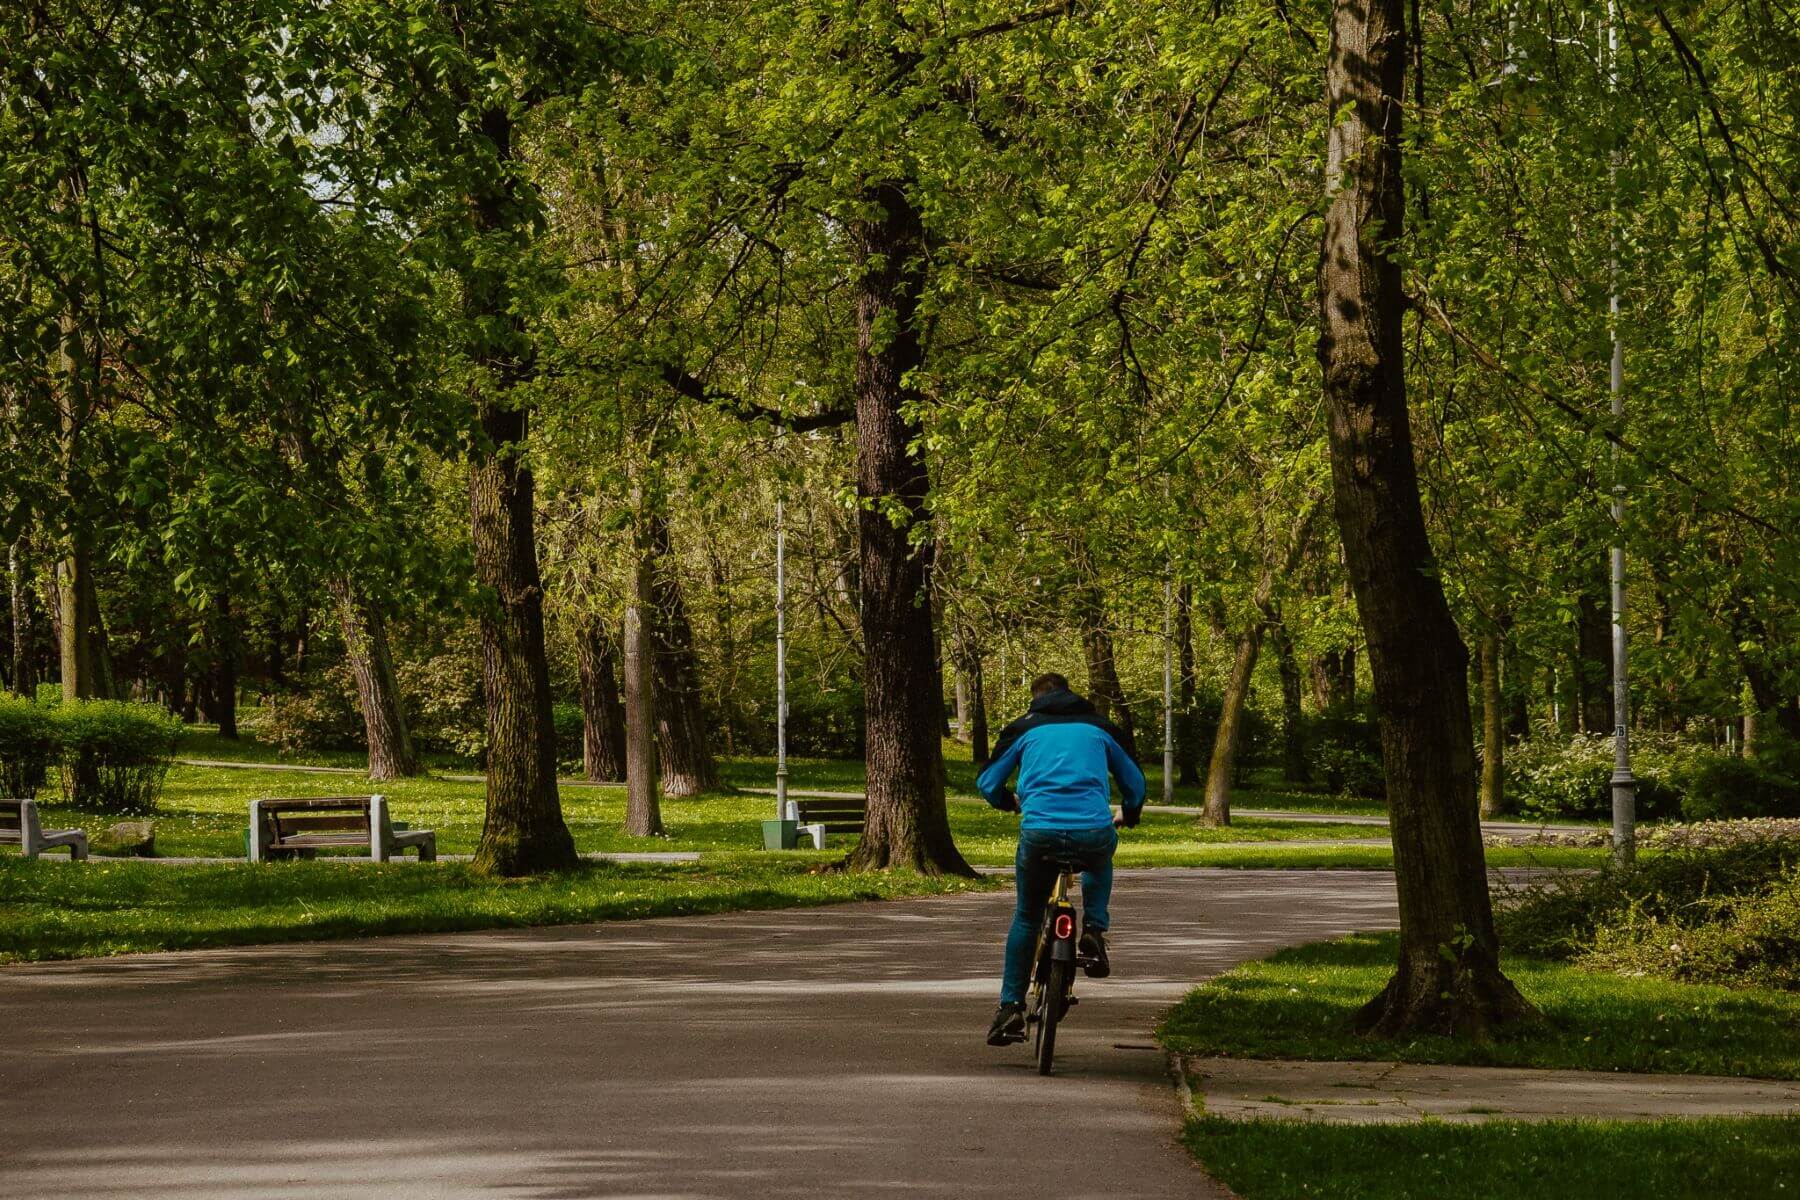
[1367,1093]
[833,1052]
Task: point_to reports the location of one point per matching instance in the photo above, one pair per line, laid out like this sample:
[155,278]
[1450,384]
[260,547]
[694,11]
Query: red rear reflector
[1065,925]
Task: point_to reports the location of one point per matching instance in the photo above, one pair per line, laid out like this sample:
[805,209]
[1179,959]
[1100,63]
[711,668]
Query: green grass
[51,910]
[203,812]
[1502,1160]
[1299,1003]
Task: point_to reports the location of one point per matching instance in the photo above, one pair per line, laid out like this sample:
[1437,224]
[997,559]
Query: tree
[908,824]
[1448,978]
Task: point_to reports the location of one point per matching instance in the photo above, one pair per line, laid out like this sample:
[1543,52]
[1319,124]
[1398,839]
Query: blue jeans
[1033,879]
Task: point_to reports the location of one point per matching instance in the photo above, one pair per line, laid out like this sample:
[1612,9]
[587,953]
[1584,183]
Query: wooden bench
[302,827]
[19,823]
[819,816]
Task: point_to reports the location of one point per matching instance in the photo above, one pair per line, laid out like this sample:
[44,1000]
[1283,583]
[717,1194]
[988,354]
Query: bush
[828,723]
[1564,917]
[1255,735]
[1344,753]
[569,734]
[27,747]
[115,755]
[1547,778]
[1724,787]
[1740,940]
[444,697]
[318,713]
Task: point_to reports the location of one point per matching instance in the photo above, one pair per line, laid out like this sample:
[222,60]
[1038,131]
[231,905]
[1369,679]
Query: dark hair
[1049,681]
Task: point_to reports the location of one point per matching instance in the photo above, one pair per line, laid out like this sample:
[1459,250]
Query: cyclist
[1063,751]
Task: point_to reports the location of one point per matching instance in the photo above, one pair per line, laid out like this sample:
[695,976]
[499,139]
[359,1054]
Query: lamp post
[1624,785]
[1168,780]
[781,704]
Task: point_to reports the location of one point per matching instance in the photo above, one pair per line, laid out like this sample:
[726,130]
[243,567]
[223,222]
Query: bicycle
[1053,970]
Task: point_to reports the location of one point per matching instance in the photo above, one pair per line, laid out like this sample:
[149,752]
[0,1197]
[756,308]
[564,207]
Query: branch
[1583,421]
[1048,13]
[692,388]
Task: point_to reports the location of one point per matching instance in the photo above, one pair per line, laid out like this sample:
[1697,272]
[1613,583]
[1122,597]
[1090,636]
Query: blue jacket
[1063,751]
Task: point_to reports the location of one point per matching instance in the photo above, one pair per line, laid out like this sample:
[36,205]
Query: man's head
[1049,681]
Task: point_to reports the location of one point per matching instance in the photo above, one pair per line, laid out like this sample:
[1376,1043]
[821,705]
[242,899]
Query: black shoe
[1008,1026]
[1093,949]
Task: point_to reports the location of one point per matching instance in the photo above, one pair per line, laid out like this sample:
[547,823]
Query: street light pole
[781,704]
[1168,788]
[1624,785]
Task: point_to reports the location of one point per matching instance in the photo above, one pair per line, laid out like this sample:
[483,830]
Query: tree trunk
[686,762]
[978,717]
[1334,678]
[1516,683]
[1231,714]
[1593,666]
[225,666]
[602,716]
[391,754]
[1493,729]
[960,689]
[643,805]
[1187,749]
[1448,978]
[524,831]
[907,824]
[22,678]
[1293,720]
[1104,688]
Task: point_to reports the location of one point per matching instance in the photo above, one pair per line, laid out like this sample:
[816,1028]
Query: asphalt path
[805,1052]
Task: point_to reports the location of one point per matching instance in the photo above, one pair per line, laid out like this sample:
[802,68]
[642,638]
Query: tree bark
[1334,678]
[1231,716]
[524,831]
[391,754]
[1104,689]
[1448,977]
[602,716]
[1593,665]
[1293,720]
[22,678]
[643,805]
[1187,736]
[225,665]
[1493,729]
[978,716]
[907,823]
[686,762]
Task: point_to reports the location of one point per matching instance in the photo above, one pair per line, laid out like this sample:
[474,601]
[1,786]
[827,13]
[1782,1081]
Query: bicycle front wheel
[1056,991]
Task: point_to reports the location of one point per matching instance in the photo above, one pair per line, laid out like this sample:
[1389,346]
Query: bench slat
[304,803]
[285,824]
[305,840]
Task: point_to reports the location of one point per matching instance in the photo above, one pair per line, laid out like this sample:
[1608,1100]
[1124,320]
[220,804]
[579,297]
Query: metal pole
[1624,786]
[781,704]
[1168,788]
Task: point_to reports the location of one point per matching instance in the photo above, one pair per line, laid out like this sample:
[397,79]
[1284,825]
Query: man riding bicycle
[1063,751]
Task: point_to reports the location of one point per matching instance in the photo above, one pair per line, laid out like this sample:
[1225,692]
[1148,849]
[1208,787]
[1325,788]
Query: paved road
[829,1052]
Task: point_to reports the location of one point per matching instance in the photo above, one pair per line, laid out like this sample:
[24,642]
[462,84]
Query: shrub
[1548,778]
[1561,918]
[49,694]
[569,731]
[115,755]
[828,722]
[1255,734]
[318,713]
[444,696]
[1344,753]
[1742,940]
[27,747]
[1725,787]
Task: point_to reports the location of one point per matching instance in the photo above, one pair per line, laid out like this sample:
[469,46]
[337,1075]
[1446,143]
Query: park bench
[19,823]
[285,828]
[819,816]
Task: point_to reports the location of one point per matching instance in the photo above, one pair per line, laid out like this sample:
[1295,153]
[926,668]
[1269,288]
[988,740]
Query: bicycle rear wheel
[1056,991]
